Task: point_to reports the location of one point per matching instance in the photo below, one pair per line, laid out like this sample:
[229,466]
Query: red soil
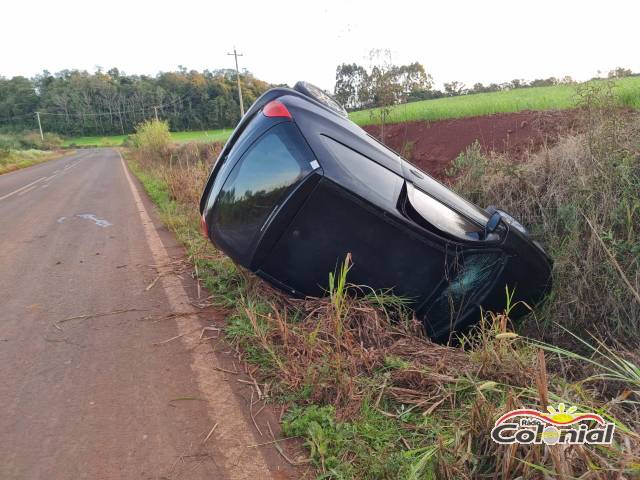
[433,145]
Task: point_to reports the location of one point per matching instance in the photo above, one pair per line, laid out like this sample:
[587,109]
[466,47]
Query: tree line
[387,84]
[75,102]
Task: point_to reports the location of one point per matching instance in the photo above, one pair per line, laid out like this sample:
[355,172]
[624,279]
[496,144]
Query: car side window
[438,215]
[256,185]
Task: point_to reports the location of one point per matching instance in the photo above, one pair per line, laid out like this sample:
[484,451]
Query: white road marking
[224,407]
[32,187]
[22,188]
[66,168]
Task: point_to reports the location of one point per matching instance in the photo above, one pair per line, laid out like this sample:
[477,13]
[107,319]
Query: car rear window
[257,184]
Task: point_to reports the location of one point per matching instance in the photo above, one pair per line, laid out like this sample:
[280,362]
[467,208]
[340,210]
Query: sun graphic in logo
[562,415]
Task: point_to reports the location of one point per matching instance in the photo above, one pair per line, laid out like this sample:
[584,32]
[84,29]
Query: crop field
[178,137]
[558,97]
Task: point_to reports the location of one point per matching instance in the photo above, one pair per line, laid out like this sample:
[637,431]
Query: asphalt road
[129,394]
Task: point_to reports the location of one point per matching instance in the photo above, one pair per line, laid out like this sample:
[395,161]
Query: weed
[11,160]
[152,138]
[580,199]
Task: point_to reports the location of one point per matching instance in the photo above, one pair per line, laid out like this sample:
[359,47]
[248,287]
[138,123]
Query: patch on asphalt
[98,221]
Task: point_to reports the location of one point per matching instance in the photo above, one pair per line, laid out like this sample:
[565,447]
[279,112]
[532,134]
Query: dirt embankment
[433,145]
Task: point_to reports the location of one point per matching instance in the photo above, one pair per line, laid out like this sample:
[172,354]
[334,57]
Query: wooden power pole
[236,55]
[40,126]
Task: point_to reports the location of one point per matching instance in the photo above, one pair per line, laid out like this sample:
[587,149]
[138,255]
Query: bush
[153,139]
[129,141]
[52,141]
[32,140]
[580,198]
[8,142]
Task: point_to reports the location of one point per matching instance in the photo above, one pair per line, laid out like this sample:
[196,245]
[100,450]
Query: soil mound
[433,145]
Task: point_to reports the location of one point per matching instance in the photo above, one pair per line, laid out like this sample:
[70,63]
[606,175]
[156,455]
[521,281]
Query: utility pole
[155,109]
[40,126]
[236,55]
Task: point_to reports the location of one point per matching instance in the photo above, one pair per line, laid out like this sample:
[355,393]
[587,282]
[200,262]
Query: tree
[384,88]
[518,83]
[18,99]
[620,72]
[413,79]
[544,82]
[351,85]
[454,88]
[109,102]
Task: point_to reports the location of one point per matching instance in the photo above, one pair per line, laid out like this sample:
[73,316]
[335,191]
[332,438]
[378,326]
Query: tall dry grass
[352,350]
[183,167]
[581,200]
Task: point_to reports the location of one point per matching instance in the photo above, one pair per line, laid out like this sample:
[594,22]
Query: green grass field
[112,141]
[17,159]
[179,137]
[558,97]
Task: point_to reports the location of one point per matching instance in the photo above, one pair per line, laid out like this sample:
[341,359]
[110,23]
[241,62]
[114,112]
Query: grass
[372,398]
[178,137]
[580,199]
[558,97]
[202,136]
[107,141]
[17,159]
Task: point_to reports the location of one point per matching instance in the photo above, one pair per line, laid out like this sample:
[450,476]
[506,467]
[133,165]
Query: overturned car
[298,186]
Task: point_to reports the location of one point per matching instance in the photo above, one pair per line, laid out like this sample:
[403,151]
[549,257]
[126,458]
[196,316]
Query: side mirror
[492,224]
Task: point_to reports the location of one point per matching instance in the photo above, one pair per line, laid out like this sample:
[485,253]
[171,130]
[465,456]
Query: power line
[24,115]
[143,111]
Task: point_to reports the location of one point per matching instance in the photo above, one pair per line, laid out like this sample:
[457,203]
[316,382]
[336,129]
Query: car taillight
[275,109]
[203,227]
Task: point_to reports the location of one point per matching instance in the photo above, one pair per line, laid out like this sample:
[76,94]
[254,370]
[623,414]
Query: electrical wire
[142,111]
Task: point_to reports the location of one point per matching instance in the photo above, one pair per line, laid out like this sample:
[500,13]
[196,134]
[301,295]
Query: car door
[349,212]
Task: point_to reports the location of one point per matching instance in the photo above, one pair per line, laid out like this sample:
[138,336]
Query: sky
[285,41]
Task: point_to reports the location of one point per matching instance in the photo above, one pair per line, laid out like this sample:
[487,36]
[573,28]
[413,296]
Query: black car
[298,186]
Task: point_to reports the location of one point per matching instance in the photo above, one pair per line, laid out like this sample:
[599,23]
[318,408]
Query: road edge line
[210,382]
